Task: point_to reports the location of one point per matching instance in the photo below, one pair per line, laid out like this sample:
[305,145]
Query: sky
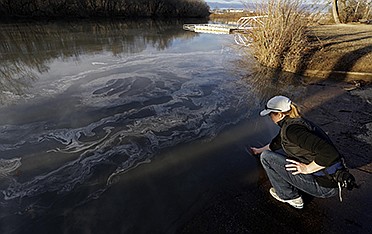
[227,3]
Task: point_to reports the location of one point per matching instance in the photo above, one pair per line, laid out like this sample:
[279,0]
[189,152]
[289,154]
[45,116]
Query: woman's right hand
[256,151]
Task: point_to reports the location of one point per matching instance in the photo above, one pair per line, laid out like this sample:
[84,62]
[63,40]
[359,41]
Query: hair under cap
[277,104]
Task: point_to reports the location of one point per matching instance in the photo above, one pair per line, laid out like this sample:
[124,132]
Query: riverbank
[344,111]
[343,52]
[341,102]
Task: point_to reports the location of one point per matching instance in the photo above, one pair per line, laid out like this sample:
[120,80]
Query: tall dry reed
[280,41]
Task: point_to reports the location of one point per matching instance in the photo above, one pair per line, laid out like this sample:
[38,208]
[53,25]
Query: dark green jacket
[304,141]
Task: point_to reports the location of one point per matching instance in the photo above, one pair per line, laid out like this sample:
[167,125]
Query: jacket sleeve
[276,143]
[326,153]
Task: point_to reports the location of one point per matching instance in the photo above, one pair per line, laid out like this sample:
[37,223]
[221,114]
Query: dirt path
[345,110]
[341,51]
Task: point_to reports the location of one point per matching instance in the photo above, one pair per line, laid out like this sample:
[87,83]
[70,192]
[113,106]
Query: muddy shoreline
[344,110]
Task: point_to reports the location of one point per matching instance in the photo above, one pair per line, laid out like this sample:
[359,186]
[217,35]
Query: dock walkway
[243,24]
[240,29]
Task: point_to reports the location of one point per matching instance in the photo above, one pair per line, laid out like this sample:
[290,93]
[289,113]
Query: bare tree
[335,12]
[103,8]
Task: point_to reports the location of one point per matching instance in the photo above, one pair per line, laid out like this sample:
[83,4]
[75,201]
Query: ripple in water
[9,166]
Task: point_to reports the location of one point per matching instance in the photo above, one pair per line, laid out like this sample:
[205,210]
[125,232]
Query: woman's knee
[268,157]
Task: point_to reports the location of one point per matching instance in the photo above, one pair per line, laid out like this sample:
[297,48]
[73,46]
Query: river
[123,126]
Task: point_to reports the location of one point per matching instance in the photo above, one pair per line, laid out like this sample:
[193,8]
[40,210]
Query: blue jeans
[287,185]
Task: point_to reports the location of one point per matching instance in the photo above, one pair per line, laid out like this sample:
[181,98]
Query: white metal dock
[244,23]
[240,29]
[209,28]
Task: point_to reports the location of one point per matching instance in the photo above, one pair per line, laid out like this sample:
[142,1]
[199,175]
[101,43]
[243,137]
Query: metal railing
[241,30]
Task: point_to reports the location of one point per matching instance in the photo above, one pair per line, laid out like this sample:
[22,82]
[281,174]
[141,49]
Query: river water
[111,122]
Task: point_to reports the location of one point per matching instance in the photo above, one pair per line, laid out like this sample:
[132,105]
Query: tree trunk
[335,12]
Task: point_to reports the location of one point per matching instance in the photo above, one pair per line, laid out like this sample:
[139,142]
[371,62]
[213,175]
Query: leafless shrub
[355,10]
[281,41]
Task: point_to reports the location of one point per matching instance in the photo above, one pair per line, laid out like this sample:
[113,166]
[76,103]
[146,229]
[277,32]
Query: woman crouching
[308,160]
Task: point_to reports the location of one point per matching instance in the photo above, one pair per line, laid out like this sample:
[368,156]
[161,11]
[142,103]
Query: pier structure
[241,29]
[210,28]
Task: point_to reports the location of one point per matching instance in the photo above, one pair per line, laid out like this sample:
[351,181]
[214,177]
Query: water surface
[84,104]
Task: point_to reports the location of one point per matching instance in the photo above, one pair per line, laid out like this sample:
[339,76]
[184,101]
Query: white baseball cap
[277,104]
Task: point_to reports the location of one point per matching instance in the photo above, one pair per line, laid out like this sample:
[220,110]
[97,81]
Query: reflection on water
[264,82]
[26,49]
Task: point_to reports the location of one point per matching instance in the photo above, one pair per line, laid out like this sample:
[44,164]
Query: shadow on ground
[340,52]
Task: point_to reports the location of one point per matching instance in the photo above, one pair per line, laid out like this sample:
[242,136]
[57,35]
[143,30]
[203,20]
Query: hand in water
[255,150]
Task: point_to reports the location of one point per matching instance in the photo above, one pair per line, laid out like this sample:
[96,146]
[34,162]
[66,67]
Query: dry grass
[281,41]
